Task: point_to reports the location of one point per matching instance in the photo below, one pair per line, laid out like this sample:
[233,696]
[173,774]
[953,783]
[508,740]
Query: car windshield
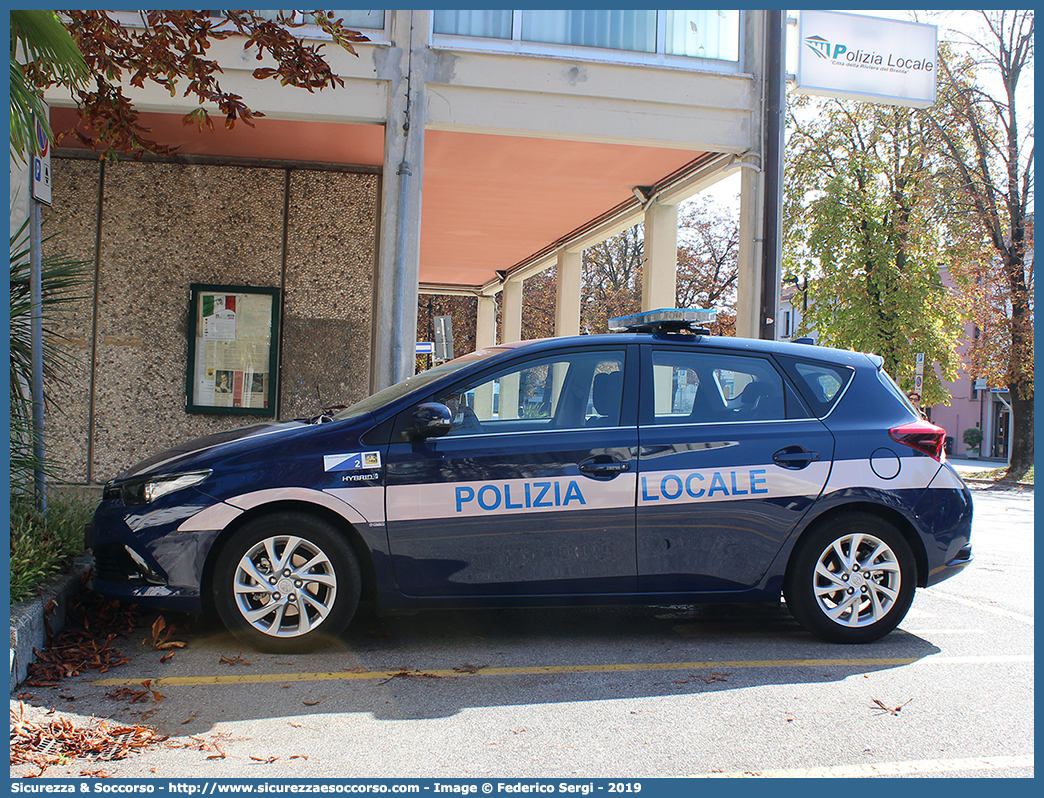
[391,393]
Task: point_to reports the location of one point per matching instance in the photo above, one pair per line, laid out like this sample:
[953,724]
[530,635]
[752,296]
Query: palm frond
[62,282]
[39,38]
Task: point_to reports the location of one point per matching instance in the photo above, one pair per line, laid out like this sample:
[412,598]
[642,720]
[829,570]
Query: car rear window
[820,384]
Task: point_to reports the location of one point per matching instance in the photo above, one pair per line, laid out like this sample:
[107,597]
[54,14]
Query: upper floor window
[694,34]
[368,20]
[703,34]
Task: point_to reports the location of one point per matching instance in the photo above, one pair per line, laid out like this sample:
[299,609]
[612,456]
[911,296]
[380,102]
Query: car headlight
[148,489]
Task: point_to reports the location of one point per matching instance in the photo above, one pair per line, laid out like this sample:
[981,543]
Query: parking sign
[42,166]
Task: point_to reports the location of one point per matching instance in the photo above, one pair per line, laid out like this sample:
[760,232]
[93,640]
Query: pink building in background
[973,403]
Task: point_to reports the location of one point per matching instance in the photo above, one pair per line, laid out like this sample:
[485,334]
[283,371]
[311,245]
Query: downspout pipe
[775,103]
[398,318]
[402,336]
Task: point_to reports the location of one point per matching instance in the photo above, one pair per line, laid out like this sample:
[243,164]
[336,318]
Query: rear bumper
[953,567]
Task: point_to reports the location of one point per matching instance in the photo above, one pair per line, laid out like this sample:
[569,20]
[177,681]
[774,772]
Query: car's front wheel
[286,582]
[852,579]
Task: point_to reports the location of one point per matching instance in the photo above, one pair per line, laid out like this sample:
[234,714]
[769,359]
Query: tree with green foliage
[865,222]
[986,139]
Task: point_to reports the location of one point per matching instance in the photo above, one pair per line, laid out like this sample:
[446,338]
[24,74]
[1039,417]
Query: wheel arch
[885,513]
[347,529]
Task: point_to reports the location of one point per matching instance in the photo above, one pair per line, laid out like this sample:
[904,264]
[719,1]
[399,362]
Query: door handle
[596,469]
[794,457]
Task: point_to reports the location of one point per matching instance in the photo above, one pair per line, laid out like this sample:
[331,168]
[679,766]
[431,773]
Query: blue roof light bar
[664,320]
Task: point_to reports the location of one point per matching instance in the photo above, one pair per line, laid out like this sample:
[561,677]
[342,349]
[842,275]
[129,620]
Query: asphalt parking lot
[577,693]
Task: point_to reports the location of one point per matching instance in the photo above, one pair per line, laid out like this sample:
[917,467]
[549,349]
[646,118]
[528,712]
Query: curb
[28,631]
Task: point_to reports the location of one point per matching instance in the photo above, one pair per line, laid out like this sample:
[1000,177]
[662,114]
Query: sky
[955,26]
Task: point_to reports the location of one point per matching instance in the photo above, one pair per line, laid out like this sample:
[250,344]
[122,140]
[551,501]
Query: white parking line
[1015,616]
[884,769]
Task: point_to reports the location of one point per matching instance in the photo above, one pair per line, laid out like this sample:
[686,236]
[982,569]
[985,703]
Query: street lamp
[801,284]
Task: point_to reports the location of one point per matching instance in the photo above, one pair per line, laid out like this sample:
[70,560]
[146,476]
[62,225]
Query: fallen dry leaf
[886,710]
[58,740]
[236,660]
[467,667]
[135,695]
[161,634]
[96,774]
[405,673]
[86,643]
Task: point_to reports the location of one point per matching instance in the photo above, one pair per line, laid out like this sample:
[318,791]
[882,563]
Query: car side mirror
[432,420]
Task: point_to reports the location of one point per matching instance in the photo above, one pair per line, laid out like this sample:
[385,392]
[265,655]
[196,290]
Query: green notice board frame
[233,348]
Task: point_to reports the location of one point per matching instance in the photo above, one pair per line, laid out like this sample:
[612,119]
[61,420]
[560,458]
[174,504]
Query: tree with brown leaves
[169,49]
[990,148]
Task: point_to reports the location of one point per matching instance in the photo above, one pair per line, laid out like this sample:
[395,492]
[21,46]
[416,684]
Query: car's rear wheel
[852,579]
[286,582]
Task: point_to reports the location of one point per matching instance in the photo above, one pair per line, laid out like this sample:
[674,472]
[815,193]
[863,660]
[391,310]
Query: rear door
[533,489]
[729,462]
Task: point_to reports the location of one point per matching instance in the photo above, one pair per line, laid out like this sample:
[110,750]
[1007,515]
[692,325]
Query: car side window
[564,392]
[707,387]
[821,384]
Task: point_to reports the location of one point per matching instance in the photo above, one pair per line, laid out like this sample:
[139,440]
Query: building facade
[466,152]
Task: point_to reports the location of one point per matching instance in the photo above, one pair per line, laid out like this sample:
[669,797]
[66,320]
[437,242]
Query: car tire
[286,583]
[842,603]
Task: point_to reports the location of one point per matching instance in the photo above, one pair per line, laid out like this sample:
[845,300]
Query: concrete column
[567,297]
[752,195]
[511,312]
[485,336]
[748,283]
[660,274]
[398,269]
[486,322]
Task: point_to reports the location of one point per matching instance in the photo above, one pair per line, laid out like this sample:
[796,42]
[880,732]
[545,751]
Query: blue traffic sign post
[40,189]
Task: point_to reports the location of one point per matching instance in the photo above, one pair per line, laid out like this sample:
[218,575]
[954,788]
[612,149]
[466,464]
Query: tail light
[922,436]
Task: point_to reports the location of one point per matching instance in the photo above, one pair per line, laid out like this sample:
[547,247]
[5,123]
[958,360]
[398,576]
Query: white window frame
[516,46]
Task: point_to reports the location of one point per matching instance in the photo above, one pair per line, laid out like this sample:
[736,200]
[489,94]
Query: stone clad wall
[70,231]
[166,225]
[328,316]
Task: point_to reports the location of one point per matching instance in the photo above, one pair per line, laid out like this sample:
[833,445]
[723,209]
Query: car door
[729,462]
[532,490]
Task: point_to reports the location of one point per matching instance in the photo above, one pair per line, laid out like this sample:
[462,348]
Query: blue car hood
[170,459]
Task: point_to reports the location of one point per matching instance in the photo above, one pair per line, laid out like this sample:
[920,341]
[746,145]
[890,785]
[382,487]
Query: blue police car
[653,465]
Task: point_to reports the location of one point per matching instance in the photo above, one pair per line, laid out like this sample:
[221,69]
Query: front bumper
[140,556]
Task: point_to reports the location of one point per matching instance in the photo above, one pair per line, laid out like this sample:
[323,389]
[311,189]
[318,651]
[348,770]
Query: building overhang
[491,203]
